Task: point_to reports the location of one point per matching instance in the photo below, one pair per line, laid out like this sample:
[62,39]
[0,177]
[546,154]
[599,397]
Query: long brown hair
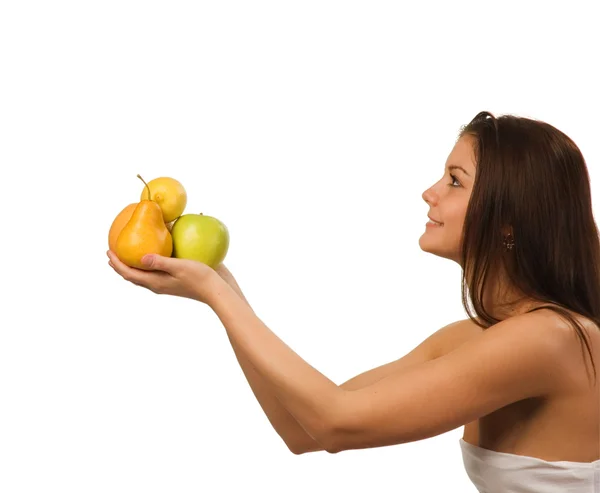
[532,178]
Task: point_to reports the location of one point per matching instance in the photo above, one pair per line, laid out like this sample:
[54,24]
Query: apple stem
[149,196]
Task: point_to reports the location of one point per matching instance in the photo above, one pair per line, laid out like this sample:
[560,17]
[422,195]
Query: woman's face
[448,200]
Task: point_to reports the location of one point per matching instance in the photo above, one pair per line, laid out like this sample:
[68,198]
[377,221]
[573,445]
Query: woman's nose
[430,196]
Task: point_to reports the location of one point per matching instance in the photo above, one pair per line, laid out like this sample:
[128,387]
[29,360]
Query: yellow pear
[169,194]
[146,232]
[118,223]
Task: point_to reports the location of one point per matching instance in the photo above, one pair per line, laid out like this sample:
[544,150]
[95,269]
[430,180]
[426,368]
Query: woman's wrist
[216,286]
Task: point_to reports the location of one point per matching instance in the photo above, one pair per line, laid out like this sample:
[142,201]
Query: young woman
[514,209]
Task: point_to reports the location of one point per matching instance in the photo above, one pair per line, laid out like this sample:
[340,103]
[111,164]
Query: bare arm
[284,423]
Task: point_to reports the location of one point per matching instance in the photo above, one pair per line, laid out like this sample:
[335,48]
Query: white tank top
[500,472]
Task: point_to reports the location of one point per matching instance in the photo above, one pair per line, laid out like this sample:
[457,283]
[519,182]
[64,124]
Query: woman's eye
[453,180]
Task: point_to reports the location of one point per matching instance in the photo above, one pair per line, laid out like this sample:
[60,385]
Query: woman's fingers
[156,281]
[136,276]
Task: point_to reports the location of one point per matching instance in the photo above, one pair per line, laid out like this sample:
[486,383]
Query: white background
[310,129]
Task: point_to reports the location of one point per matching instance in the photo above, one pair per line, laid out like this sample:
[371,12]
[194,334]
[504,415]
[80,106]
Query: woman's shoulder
[457,333]
[589,326]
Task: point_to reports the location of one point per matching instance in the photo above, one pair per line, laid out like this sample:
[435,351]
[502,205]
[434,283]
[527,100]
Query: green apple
[199,237]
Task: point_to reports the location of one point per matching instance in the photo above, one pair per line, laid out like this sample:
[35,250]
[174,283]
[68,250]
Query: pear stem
[149,196]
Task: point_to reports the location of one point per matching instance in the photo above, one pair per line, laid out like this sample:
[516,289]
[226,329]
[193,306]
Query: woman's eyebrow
[454,166]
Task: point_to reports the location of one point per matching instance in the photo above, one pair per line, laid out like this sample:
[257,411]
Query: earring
[509,242]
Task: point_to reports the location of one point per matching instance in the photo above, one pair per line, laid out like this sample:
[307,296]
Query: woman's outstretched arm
[350,416]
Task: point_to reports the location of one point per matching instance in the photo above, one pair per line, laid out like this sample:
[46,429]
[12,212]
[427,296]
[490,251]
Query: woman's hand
[174,276]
